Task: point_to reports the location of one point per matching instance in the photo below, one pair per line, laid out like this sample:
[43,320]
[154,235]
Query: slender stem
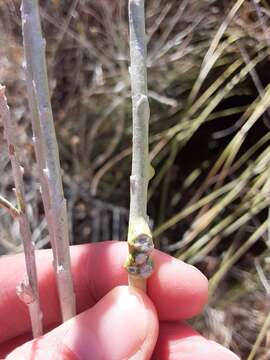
[260,337]
[28,289]
[140,241]
[4,203]
[47,154]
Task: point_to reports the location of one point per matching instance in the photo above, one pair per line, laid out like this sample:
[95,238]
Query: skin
[114,322]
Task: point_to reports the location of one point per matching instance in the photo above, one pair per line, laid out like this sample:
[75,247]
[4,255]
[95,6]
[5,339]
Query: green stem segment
[140,243]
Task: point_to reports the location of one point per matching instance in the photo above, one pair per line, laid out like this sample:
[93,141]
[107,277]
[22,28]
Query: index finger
[178,290]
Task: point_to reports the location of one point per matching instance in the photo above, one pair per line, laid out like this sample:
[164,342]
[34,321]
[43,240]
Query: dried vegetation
[208,75]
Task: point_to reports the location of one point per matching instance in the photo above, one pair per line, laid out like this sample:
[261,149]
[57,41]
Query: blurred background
[208,74]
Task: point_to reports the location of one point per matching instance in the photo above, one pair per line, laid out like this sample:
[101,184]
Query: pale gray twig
[140,241]
[27,290]
[47,154]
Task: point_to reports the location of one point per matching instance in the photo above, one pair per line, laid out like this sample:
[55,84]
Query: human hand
[114,322]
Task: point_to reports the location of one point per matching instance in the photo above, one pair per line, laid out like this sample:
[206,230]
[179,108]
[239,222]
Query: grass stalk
[223,270]
[4,203]
[208,59]
[260,337]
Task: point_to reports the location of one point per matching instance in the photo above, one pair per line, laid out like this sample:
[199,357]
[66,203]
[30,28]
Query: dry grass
[210,144]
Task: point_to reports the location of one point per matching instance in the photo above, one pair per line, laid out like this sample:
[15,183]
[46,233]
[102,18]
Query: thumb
[122,325]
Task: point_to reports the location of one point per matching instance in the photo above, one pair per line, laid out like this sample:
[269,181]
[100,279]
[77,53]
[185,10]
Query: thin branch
[28,289]
[139,264]
[47,154]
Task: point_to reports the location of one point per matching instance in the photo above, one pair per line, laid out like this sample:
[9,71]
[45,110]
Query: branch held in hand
[140,243]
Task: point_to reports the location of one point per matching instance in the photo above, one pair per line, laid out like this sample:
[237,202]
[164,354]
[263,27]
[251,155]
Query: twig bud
[146,269]
[141,258]
[144,244]
[25,292]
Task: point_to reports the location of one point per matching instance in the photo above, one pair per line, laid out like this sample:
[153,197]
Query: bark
[47,154]
[140,242]
[28,289]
